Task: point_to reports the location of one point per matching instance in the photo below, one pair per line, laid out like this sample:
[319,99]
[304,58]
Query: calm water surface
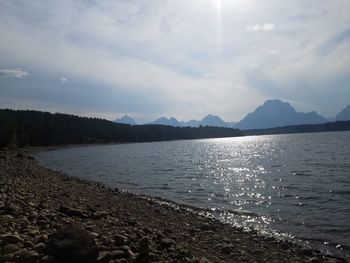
[286,185]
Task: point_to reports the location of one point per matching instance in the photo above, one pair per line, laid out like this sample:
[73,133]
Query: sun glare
[218,5]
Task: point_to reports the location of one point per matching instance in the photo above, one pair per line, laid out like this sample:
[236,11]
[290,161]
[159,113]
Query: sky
[180,58]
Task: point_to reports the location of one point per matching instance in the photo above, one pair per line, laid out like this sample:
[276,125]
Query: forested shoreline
[22,128]
[304,128]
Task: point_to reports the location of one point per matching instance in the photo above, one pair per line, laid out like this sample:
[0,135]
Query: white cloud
[13,73]
[257,27]
[268,26]
[63,80]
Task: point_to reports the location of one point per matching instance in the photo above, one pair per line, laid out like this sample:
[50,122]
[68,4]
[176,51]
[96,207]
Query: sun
[217,5]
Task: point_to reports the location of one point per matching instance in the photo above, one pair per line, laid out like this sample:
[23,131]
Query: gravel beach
[46,216]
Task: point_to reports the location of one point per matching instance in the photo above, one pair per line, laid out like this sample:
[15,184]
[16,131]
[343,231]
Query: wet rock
[9,249]
[71,244]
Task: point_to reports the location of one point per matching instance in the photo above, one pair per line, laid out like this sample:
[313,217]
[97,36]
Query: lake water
[294,185]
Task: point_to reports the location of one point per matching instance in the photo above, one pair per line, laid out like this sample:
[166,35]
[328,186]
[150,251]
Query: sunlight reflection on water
[283,183]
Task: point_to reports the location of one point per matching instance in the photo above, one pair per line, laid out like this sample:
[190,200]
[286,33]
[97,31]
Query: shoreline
[173,234]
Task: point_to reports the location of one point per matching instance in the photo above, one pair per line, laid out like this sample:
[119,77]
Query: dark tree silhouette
[20,128]
[305,128]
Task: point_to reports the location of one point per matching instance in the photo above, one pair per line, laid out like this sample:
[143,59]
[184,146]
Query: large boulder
[71,244]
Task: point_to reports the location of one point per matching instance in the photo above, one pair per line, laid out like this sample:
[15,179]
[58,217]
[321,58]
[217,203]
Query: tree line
[304,128]
[21,128]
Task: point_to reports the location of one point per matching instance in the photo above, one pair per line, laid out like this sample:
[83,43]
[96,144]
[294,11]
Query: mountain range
[272,113]
[276,113]
[209,120]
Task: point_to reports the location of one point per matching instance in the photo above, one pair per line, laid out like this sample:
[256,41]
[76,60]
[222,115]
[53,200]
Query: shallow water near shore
[285,185]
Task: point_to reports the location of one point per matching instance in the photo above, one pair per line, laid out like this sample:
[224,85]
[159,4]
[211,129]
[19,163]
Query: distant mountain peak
[277,104]
[276,113]
[344,115]
[126,120]
[213,120]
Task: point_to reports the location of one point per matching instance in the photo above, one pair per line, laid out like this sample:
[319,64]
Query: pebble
[40,247]
[167,242]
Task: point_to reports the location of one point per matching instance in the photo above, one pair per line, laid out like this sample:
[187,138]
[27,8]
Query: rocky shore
[48,217]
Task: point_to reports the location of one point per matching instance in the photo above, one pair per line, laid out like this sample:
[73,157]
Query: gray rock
[11,239]
[28,256]
[71,244]
[40,247]
[9,249]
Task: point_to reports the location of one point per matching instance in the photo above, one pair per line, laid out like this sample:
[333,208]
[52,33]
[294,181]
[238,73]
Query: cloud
[181,58]
[257,27]
[63,80]
[13,73]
